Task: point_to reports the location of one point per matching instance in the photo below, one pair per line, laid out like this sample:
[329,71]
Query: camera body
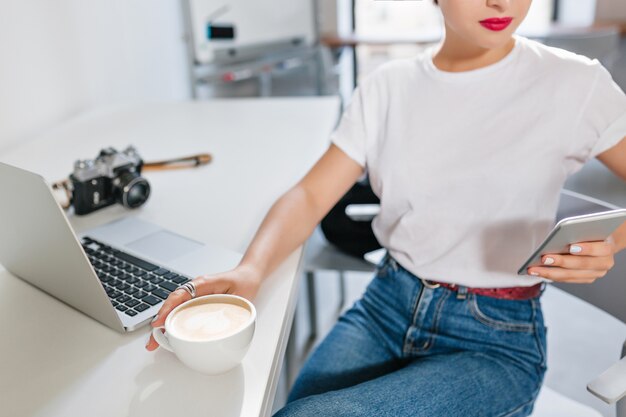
[112,177]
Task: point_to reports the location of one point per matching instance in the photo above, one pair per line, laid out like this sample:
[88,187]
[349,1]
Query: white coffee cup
[214,356]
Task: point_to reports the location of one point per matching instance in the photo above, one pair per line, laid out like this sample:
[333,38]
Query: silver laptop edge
[39,245]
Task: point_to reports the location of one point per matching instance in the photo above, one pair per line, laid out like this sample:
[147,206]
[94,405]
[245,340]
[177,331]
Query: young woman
[467,146]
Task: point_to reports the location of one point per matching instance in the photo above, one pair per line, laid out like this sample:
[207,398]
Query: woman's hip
[418,320]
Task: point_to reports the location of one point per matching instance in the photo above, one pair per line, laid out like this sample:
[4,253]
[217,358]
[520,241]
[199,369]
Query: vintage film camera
[112,177]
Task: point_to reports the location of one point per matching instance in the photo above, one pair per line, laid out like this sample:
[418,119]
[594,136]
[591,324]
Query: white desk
[55,361]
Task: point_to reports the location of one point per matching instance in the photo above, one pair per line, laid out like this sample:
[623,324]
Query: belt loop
[461,293]
[430,284]
[383,261]
[393,263]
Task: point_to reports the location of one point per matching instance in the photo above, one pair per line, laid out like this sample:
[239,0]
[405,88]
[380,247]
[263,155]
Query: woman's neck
[457,55]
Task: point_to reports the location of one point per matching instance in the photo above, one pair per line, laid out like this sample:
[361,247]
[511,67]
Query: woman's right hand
[242,281]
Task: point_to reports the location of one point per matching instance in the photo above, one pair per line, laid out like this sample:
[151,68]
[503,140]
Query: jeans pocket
[500,314]
[541,332]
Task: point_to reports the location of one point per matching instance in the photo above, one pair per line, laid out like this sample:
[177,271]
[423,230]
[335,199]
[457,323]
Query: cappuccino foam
[208,321]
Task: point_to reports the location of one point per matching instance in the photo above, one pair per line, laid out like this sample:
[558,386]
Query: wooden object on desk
[611,12]
[353,40]
[192,161]
[620,25]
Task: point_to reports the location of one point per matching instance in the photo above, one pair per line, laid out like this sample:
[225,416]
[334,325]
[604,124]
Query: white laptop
[118,274]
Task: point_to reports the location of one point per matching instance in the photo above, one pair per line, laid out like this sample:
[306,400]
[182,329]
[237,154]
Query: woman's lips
[496,23]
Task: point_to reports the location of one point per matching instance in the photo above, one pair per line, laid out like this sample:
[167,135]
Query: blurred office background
[59,59]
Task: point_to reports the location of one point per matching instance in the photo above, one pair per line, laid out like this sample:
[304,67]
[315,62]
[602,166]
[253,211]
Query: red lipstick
[496,23]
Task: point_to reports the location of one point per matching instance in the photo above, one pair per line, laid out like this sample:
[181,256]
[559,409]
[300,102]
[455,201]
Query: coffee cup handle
[161,339]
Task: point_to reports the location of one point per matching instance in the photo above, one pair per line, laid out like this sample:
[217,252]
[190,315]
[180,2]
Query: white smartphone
[586,228]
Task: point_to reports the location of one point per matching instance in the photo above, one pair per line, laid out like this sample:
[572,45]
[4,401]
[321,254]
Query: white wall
[327,16]
[577,12]
[59,58]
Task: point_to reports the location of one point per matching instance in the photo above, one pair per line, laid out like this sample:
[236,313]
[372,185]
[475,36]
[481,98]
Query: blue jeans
[406,349]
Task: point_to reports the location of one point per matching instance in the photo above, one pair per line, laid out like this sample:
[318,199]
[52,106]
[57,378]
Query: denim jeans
[405,349]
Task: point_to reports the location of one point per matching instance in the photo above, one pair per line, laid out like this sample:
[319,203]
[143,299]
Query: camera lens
[133,190]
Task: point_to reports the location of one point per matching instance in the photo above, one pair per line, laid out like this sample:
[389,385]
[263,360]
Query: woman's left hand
[586,262]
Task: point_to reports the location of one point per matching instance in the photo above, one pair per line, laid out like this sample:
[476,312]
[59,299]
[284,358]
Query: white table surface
[583,342]
[55,361]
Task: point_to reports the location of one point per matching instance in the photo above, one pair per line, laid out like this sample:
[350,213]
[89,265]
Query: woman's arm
[294,216]
[286,226]
[589,261]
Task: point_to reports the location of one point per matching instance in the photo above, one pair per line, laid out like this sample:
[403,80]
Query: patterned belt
[511,293]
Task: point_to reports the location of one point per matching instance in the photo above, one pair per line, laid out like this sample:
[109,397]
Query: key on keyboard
[118,270]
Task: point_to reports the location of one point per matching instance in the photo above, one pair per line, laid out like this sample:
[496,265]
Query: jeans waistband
[509,293]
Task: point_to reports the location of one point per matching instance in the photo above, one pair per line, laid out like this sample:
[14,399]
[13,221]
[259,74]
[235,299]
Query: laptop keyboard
[133,285]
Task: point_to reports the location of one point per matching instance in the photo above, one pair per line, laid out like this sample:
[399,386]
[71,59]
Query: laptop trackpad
[164,246]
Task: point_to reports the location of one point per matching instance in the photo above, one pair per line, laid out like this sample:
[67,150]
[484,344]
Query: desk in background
[555,32]
[55,361]
[429,37]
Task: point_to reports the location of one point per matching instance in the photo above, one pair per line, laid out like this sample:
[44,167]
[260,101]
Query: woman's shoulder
[399,65]
[393,72]
[557,60]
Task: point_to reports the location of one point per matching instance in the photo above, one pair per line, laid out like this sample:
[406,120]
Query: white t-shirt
[469,165]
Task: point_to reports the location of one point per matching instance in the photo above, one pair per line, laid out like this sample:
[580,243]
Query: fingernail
[575,249]
[548,261]
[535,274]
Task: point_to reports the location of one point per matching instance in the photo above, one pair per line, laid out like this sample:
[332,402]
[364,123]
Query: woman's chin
[495,40]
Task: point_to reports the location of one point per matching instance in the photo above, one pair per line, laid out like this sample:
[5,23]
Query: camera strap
[62,191]
[192,161]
